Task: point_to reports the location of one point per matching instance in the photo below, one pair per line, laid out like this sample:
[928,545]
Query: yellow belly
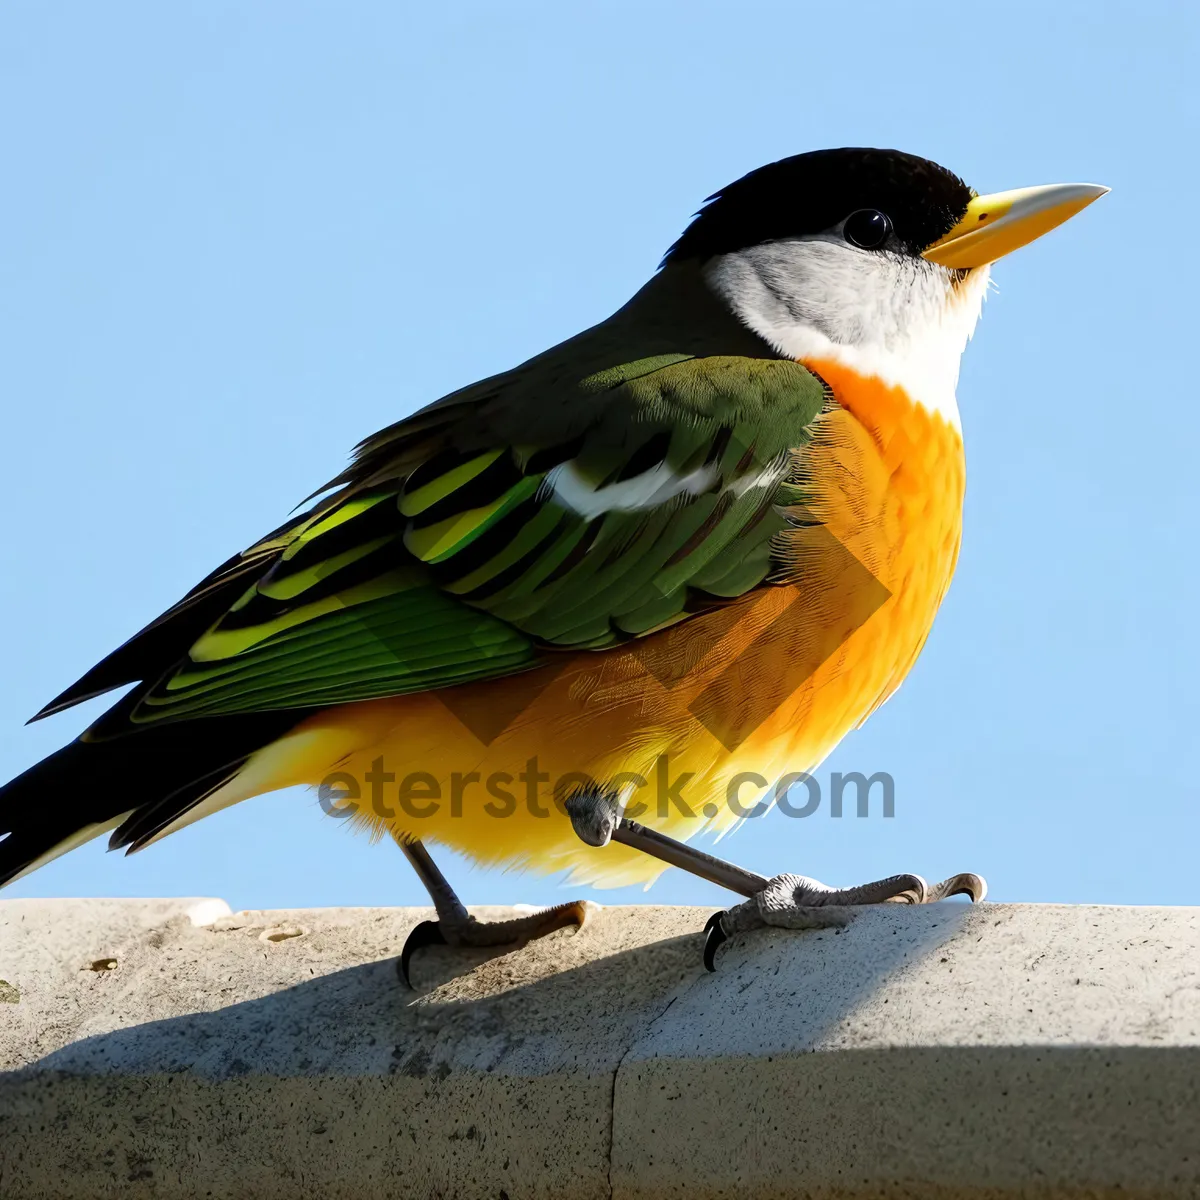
[762,688]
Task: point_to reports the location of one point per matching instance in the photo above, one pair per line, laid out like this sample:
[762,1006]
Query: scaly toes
[723,925]
[965,884]
[798,902]
[472,932]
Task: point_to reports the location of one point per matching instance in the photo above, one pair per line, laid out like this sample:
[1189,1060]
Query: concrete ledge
[949,1051]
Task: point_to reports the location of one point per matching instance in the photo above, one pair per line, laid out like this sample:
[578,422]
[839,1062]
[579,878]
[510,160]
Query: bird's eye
[867,228]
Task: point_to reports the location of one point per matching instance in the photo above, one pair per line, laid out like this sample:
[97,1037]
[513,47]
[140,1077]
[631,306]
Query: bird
[627,592]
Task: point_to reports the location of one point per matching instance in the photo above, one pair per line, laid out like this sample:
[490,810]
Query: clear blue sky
[238,237]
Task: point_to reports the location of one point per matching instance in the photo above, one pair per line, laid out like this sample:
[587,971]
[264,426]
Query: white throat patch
[902,319]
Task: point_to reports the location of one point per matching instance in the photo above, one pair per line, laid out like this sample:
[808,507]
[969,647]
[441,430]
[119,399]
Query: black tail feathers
[133,785]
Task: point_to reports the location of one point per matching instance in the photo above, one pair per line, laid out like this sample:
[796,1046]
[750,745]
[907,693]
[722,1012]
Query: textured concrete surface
[170,1048]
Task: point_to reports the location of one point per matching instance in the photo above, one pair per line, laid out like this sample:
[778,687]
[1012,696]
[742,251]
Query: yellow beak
[998,224]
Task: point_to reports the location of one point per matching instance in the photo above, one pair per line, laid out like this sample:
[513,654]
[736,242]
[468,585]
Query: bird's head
[873,258]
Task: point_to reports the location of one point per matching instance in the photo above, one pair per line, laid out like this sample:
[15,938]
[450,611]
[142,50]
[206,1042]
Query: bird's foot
[460,931]
[797,902]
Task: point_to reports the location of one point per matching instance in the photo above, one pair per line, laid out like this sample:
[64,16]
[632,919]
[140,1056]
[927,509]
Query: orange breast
[890,476]
[767,686]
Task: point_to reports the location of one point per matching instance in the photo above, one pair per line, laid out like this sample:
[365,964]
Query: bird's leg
[786,901]
[456,927]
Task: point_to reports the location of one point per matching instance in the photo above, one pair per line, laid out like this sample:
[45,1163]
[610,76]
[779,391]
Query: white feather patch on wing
[768,477]
[647,490]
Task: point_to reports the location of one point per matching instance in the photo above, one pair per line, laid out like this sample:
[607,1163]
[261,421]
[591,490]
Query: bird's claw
[714,938]
[484,934]
[427,933]
[795,902]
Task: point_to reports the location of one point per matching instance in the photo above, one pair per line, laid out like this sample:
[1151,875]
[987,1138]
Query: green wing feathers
[520,516]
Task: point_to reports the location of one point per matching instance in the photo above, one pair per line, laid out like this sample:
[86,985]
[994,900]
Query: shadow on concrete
[588,1066]
[771,988]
